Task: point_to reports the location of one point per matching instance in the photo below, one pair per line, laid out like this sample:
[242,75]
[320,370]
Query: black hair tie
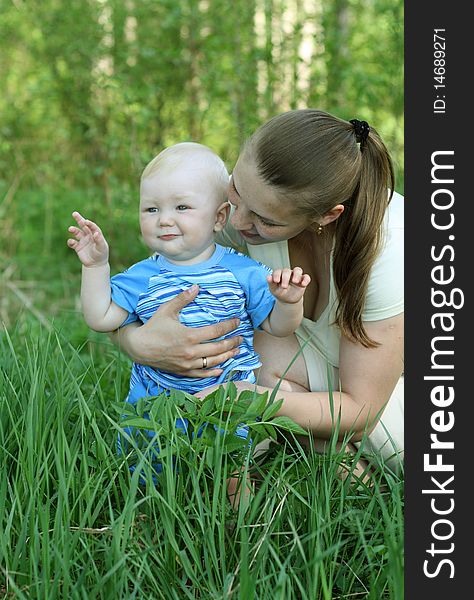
[362,130]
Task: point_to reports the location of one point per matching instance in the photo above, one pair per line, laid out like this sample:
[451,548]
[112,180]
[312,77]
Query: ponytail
[359,236]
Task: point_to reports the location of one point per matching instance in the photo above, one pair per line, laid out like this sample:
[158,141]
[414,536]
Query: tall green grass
[76,523]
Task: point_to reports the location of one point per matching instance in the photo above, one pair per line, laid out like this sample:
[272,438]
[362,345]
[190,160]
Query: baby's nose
[165,218]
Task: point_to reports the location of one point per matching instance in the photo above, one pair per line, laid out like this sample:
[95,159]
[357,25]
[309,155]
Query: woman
[313,190]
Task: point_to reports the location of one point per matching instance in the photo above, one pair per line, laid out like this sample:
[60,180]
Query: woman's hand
[166,344]
[90,244]
[288,285]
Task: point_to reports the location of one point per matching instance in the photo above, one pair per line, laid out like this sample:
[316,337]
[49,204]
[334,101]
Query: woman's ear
[222,214]
[331,215]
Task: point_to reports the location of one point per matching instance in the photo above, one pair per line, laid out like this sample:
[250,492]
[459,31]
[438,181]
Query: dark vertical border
[427,132]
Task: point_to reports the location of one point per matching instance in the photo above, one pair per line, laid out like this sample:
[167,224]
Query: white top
[385,294]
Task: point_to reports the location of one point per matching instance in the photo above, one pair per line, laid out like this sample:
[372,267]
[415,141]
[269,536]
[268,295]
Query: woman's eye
[266,223]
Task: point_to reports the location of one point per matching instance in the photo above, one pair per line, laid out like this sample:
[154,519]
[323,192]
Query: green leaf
[233,443]
[257,406]
[141,406]
[231,391]
[272,410]
[235,408]
[248,396]
[210,456]
[156,411]
[262,430]
[185,400]
[137,422]
[124,408]
[207,406]
[289,425]
[218,422]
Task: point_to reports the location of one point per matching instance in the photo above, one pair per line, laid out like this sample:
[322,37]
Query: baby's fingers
[285,278]
[275,277]
[296,275]
[305,281]
[94,228]
[76,232]
[78,218]
[299,278]
[83,230]
[280,277]
[86,224]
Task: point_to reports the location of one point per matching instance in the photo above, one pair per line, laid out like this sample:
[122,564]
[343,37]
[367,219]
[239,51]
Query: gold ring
[204,362]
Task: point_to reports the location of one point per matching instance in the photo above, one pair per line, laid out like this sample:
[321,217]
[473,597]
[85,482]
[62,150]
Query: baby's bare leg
[236,486]
[276,354]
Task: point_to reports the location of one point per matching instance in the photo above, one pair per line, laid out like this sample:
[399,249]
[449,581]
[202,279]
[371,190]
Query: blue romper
[230,285]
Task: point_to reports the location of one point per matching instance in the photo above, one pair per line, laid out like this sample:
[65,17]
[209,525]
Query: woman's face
[259,214]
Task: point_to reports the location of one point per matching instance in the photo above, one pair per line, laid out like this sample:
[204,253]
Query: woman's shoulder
[396,212]
[385,293]
[394,228]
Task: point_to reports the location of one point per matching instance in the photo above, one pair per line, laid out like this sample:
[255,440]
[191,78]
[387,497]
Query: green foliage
[192,431]
[93,89]
[76,523]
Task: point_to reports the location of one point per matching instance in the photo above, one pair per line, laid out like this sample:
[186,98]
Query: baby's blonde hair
[176,156]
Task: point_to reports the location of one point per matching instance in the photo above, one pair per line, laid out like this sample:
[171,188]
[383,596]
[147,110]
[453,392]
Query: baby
[183,203]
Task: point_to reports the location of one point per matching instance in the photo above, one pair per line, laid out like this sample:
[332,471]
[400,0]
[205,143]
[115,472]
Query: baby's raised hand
[90,245]
[288,285]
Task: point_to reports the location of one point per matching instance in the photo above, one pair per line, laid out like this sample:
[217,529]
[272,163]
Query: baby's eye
[182,207]
[151,209]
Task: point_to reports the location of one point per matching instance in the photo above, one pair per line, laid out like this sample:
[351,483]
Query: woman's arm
[368,377]
[165,344]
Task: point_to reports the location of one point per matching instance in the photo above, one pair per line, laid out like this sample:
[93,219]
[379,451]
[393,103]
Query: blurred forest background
[93,89]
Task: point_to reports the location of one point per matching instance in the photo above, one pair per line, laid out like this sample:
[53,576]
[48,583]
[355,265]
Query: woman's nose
[241,219]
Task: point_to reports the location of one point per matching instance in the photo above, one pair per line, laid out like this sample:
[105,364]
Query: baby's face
[179,213]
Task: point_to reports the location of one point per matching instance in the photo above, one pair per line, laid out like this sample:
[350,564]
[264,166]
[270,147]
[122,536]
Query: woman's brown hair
[314,161]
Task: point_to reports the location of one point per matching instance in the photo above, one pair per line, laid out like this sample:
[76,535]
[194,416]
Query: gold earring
[319,229]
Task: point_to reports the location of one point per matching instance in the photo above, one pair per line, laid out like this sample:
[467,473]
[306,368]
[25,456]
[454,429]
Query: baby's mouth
[168,236]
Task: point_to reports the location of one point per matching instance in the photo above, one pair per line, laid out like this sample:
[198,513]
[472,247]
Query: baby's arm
[100,313]
[288,286]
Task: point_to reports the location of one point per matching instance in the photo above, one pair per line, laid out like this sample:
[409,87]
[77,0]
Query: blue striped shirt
[230,285]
